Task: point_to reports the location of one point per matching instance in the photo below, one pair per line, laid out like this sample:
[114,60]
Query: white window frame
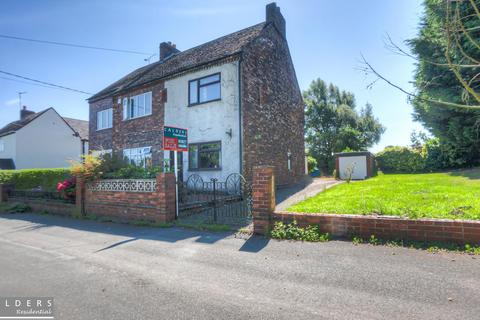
[105,119]
[101,153]
[137,106]
[141,156]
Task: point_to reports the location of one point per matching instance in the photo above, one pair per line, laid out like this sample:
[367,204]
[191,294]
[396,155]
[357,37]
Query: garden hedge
[47,179]
[400,160]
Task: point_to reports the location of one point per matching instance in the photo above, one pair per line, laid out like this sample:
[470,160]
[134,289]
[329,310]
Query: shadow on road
[133,233]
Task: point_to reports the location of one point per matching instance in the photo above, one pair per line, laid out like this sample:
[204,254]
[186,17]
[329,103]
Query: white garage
[354,165]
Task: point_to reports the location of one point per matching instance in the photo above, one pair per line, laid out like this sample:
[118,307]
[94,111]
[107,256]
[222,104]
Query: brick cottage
[238,96]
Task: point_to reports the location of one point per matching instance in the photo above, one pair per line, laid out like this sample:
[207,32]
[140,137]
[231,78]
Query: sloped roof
[14,126]
[208,52]
[79,126]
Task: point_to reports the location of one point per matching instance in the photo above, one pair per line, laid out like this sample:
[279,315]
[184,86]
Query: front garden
[448,195]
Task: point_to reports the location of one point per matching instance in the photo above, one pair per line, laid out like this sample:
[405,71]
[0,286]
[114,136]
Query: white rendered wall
[210,121]
[46,142]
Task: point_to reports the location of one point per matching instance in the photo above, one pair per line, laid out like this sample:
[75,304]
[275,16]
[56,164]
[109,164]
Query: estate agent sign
[175,139]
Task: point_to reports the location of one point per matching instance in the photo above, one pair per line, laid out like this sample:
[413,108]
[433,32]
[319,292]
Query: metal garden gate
[225,202]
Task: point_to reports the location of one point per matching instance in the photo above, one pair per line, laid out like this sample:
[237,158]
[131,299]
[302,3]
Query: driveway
[110,271]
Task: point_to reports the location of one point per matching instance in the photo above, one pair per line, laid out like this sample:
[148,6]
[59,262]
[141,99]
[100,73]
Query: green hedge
[400,160]
[47,179]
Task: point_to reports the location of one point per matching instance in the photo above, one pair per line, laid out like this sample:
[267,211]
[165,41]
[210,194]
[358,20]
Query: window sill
[104,129]
[205,169]
[139,117]
[200,103]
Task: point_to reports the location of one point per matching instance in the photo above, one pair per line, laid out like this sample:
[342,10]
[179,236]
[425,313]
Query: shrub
[400,160]
[292,231]
[44,179]
[67,188]
[88,169]
[311,163]
[437,155]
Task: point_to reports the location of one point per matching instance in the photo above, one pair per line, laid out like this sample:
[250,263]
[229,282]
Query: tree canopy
[448,50]
[334,125]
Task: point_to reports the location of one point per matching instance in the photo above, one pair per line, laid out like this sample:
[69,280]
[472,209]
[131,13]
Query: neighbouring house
[237,95]
[42,140]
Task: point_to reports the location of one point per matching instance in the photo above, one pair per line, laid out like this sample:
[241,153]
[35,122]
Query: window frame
[198,144]
[2,145]
[197,80]
[104,111]
[129,114]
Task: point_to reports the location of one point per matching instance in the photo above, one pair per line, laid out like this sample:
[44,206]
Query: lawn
[452,195]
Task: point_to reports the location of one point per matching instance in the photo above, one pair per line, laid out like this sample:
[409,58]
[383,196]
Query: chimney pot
[167,49]
[25,112]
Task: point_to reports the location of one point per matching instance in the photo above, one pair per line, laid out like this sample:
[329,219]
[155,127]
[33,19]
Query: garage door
[359,165]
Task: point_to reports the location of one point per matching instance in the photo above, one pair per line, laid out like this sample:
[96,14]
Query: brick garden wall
[383,227]
[46,206]
[158,206]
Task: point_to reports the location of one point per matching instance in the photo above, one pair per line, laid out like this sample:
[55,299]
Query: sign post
[175,139]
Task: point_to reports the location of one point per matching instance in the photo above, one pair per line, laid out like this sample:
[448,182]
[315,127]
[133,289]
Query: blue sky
[326,40]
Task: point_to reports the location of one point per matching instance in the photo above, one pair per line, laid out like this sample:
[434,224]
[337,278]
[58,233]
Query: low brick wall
[386,227]
[157,206]
[383,227]
[43,205]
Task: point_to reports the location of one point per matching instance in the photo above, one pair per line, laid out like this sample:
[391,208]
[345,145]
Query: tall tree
[333,124]
[448,69]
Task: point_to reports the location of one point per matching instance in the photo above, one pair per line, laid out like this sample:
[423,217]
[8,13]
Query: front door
[179,163]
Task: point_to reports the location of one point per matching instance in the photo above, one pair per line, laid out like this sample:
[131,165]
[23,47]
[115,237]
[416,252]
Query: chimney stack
[167,49]
[274,16]
[25,113]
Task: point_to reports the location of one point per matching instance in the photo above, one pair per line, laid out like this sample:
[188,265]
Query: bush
[292,231]
[437,156]
[44,179]
[400,160]
[311,163]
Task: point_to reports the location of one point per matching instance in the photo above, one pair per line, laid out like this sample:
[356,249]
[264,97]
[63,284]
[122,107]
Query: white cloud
[11,102]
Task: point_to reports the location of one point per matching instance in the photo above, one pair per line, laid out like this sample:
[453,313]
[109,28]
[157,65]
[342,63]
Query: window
[205,156]
[137,106]
[139,156]
[204,89]
[2,146]
[104,119]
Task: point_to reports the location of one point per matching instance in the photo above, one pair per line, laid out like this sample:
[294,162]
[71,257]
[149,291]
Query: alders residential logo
[26,308]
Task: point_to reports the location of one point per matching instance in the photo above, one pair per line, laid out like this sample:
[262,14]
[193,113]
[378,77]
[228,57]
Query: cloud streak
[11,102]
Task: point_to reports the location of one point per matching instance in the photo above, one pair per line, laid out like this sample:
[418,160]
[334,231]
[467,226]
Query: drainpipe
[240,120]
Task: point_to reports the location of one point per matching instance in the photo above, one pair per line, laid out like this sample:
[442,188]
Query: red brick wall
[156,206]
[52,206]
[383,227]
[263,193]
[456,231]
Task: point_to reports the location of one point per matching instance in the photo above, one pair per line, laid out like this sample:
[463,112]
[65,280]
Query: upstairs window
[204,89]
[137,106]
[139,156]
[2,146]
[104,119]
[204,156]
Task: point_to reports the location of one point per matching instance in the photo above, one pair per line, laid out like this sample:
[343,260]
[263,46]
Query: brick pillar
[80,195]
[166,196]
[263,191]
